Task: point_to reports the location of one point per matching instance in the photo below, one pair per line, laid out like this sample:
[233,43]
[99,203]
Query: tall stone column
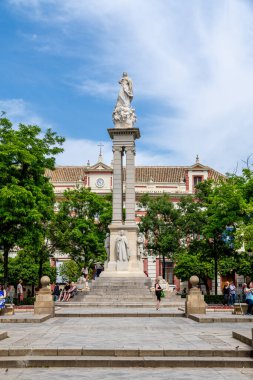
[117,186]
[123,137]
[130,184]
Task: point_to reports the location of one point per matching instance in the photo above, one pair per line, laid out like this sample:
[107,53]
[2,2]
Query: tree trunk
[163,267]
[215,270]
[6,265]
[40,272]
[205,280]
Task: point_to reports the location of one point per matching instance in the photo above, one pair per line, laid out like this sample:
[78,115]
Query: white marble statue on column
[107,245]
[126,91]
[124,115]
[140,245]
[122,247]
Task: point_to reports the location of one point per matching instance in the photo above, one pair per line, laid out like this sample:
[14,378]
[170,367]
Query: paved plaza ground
[127,374]
[71,336]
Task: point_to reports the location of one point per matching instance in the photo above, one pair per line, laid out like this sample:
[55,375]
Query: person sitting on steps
[64,292]
[71,292]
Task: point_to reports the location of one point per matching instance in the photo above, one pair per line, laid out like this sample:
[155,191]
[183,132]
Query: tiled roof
[159,174]
[66,173]
[213,174]
[143,174]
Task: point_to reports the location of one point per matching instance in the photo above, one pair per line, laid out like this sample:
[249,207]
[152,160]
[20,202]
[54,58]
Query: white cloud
[80,151]
[19,111]
[192,57]
[93,87]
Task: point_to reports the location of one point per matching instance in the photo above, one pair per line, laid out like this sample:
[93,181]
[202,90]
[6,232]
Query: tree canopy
[26,195]
[81,224]
[160,225]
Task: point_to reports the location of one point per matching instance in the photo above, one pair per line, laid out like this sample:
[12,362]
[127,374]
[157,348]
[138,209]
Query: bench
[240,308]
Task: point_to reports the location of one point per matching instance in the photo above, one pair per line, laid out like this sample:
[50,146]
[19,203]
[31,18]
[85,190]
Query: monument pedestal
[195,303]
[131,268]
[44,303]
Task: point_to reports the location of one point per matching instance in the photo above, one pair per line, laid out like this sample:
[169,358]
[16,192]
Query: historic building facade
[155,180]
[177,181]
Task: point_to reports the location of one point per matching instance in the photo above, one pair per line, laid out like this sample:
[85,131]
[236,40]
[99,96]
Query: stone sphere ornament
[194,280]
[45,281]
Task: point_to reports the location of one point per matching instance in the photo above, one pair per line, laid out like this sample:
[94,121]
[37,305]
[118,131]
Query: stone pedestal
[116,268]
[195,303]
[44,303]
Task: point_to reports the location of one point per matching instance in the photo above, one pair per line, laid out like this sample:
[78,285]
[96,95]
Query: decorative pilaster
[130,184]
[117,185]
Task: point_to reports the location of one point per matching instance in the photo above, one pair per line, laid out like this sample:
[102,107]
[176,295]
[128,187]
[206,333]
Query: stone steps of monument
[80,351]
[125,361]
[121,279]
[151,313]
[117,304]
[120,294]
[120,284]
[130,291]
[117,288]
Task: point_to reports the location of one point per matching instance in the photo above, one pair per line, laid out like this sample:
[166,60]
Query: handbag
[162,293]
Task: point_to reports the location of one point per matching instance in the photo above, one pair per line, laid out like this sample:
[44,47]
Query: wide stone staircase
[122,342]
[127,358]
[121,292]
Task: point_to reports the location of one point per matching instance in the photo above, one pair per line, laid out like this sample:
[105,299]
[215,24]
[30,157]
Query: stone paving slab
[25,317]
[116,333]
[219,317]
[3,335]
[243,336]
[126,374]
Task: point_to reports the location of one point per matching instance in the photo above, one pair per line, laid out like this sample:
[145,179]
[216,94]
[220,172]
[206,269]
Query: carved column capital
[130,149]
[117,149]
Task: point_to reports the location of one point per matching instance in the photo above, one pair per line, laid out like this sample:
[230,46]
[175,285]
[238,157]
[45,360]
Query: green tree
[160,225]
[25,267]
[208,223]
[26,195]
[81,224]
[70,270]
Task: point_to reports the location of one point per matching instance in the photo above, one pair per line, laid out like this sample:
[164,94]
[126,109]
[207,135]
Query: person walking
[232,293]
[158,291]
[11,293]
[20,292]
[226,293]
[56,292]
[84,273]
[249,297]
[2,297]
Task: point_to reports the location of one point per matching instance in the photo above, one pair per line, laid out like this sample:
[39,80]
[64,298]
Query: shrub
[212,299]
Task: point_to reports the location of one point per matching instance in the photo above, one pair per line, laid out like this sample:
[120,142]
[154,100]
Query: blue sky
[191,63]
